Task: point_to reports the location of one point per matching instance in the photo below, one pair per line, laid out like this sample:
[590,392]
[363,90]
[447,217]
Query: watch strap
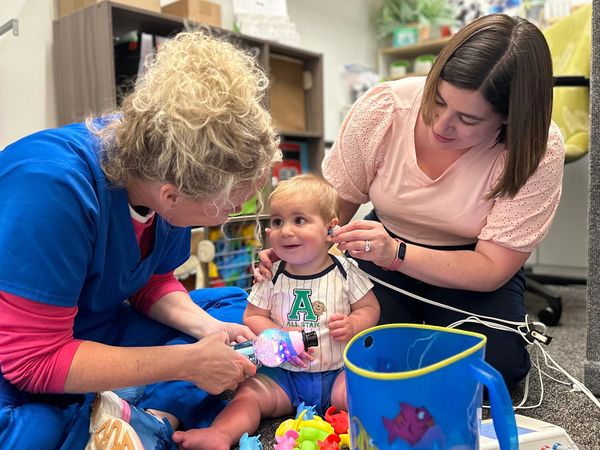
[401,252]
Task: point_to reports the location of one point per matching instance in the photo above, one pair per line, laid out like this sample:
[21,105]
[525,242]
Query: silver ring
[367,246]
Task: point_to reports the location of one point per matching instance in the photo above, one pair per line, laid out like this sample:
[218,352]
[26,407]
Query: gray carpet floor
[572,411]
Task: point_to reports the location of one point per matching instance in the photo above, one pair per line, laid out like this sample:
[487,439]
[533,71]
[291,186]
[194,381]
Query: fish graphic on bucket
[421,387]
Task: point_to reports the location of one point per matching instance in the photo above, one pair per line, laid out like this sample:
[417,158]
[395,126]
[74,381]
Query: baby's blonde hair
[312,188]
[196,119]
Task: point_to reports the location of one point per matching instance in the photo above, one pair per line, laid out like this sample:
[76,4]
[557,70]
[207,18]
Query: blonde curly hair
[196,119]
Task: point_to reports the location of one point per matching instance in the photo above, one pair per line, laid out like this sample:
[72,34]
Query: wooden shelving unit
[410,52]
[85,68]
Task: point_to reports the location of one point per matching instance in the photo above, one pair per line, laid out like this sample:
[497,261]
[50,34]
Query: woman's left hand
[368,240]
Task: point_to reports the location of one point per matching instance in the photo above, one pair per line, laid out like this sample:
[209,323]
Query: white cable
[566,383]
[496,326]
[539,403]
[521,404]
[549,366]
[441,305]
[575,382]
[525,392]
[506,328]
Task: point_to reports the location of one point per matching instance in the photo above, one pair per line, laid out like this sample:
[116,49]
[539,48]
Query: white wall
[564,250]
[340,30]
[26,78]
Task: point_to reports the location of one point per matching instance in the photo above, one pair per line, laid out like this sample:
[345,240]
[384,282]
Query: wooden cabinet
[410,52]
[86,82]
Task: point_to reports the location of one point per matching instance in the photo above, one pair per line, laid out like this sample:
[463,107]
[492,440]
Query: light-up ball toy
[273,346]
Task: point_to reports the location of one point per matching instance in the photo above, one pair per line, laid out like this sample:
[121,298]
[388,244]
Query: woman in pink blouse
[464,172]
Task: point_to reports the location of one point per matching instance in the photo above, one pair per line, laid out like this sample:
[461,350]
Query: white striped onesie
[309,301]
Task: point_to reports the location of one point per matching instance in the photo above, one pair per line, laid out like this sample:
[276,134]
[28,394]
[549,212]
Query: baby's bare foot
[202,439]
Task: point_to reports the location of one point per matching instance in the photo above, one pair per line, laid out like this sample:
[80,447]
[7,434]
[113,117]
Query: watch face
[401,251]
[399,256]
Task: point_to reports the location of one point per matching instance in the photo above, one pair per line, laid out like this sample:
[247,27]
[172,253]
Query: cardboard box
[66,7]
[199,11]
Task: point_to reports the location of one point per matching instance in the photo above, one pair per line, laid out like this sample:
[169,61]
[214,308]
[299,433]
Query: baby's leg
[338,392]
[256,398]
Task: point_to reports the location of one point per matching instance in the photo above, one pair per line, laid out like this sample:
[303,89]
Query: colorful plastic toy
[290,424]
[250,442]
[311,435]
[287,441]
[308,431]
[345,440]
[310,411]
[331,442]
[338,419]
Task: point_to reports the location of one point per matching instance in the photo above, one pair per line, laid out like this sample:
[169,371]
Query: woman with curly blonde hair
[95,219]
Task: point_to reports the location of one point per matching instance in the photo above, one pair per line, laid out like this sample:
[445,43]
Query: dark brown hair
[508,60]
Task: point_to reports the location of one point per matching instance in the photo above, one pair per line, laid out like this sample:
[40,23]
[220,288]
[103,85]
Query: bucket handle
[501,405]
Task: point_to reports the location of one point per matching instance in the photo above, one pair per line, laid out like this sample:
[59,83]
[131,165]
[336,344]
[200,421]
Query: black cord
[571,80]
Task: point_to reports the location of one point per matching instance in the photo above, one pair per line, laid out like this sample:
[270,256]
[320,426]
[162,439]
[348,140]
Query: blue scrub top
[66,236]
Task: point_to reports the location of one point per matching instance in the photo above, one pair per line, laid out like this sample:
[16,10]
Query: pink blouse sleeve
[520,223]
[352,163]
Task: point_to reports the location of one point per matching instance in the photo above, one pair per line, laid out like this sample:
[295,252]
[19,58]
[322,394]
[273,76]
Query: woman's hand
[263,270]
[368,240]
[215,366]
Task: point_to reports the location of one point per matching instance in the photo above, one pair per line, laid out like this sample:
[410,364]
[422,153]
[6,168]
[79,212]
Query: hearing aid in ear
[330,230]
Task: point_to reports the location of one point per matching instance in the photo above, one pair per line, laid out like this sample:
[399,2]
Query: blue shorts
[312,388]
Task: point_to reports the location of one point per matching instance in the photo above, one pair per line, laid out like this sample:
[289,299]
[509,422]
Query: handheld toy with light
[273,346]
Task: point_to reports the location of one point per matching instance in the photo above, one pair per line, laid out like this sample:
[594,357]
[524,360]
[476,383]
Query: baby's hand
[302,359]
[341,328]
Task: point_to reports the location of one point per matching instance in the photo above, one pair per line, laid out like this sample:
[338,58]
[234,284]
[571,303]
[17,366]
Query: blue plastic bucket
[420,387]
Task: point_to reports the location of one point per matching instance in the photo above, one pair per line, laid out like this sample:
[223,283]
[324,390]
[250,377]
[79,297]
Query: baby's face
[298,233]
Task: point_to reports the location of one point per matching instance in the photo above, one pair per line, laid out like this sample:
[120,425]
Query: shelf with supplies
[97,60]
[408,54]
[224,256]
